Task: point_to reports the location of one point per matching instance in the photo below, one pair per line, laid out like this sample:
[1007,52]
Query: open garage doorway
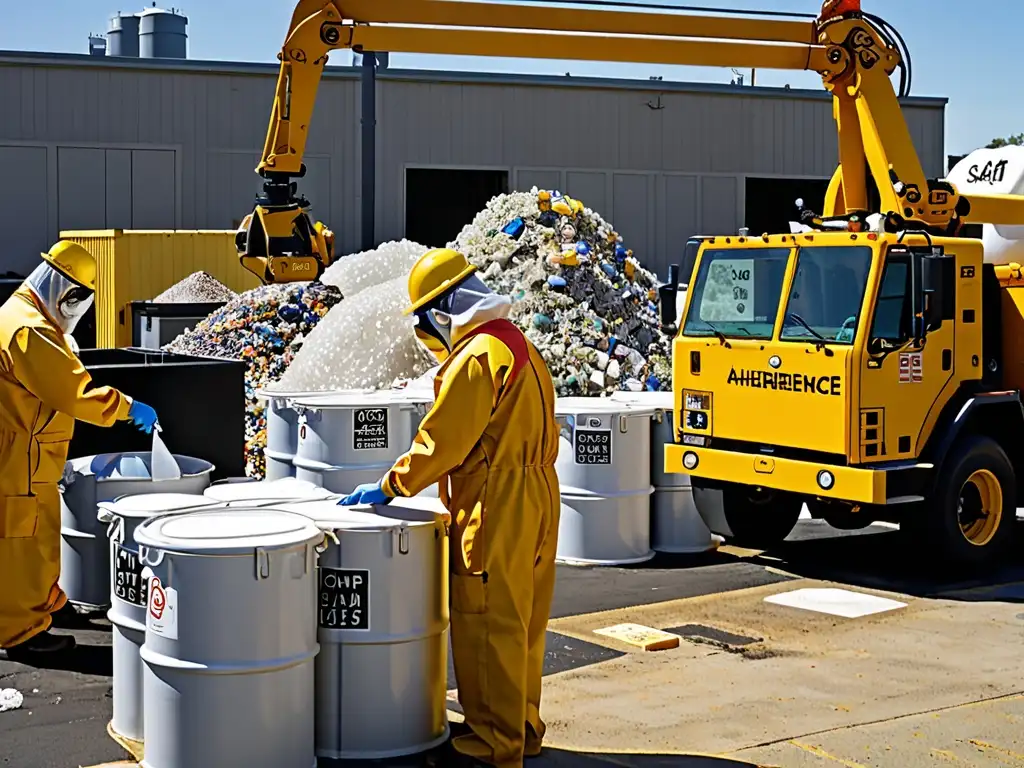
[440,202]
[771,203]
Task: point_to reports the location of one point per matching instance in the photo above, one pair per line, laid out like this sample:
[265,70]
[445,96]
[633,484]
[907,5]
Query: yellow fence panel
[138,265]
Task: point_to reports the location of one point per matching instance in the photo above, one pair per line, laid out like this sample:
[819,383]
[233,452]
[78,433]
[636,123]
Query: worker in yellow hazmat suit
[43,389]
[491,441]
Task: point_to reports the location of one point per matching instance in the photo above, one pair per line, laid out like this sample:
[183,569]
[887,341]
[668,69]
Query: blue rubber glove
[367,493]
[142,416]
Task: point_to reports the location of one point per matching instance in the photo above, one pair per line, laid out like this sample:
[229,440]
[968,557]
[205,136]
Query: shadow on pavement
[562,758]
[885,561]
[83,659]
[557,758]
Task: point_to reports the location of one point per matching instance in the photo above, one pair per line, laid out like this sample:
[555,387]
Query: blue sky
[968,52]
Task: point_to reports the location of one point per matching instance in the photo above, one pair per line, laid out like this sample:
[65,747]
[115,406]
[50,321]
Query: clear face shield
[470,303]
[65,301]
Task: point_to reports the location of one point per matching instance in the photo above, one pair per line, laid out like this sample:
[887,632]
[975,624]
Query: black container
[200,402]
[154,325]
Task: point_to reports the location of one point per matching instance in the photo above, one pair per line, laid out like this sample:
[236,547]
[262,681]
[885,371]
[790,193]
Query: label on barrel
[162,611]
[344,599]
[370,431]
[593,446]
[129,586]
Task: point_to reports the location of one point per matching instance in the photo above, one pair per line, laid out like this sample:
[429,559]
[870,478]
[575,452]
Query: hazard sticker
[162,611]
[911,368]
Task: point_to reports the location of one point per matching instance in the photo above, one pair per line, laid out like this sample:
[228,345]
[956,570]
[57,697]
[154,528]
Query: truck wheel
[971,516]
[759,518]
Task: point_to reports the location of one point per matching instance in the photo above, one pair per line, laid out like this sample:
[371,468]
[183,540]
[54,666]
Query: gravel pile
[579,294]
[197,288]
[264,327]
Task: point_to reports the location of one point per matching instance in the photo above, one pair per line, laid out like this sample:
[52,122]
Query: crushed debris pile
[366,343]
[197,288]
[580,296]
[359,271]
[264,327]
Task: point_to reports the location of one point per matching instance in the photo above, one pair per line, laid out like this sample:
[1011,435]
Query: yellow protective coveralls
[492,435]
[43,389]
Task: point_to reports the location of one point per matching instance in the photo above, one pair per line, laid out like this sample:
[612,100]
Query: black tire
[839,516]
[955,523]
[759,518]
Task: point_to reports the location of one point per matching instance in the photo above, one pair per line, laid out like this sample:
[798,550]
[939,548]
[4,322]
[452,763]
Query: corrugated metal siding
[214,124]
[137,266]
[618,150]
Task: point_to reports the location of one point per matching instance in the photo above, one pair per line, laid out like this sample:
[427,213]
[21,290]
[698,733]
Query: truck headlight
[826,480]
[690,460]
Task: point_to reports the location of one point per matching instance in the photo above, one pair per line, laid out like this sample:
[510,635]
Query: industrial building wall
[93,145]
[661,161]
[100,143]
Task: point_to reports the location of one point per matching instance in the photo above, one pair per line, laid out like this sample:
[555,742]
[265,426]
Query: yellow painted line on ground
[819,752]
[639,636]
[986,747]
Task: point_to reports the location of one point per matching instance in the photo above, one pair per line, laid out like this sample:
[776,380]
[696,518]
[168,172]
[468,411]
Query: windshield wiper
[714,330]
[804,324]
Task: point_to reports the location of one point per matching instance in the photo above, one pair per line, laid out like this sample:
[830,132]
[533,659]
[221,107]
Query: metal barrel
[282,437]
[676,526]
[84,551]
[282,419]
[604,475]
[230,638]
[128,594]
[350,438]
[383,629]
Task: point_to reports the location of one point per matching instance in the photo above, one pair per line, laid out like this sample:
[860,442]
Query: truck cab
[848,371]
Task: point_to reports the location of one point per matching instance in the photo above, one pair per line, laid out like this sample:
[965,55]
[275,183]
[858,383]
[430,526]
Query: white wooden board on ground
[837,602]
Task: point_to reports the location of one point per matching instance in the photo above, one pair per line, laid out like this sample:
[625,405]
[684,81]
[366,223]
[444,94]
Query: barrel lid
[569,406]
[351,399]
[225,530]
[284,394]
[148,504]
[327,515]
[285,489]
[663,400]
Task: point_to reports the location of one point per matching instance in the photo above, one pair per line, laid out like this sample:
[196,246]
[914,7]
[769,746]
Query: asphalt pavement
[64,717]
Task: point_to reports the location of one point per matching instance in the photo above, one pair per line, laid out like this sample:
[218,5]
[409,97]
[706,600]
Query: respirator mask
[65,301]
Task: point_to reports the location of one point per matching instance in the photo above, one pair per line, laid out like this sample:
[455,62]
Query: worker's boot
[534,743]
[66,617]
[40,646]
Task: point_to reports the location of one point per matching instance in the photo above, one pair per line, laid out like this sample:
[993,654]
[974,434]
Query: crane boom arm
[515,31]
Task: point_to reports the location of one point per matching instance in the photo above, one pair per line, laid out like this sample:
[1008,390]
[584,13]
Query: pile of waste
[366,343]
[359,271]
[197,288]
[578,293]
[266,328]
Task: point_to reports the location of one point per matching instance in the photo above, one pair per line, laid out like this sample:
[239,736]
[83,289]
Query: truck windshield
[737,292]
[828,290]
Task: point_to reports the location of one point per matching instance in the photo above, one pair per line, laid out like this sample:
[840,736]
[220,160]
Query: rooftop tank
[162,34]
[123,36]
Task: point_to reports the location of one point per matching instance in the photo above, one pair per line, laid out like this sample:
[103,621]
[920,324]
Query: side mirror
[938,289]
[667,295]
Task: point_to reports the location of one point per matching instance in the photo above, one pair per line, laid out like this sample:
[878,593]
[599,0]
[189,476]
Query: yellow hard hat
[436,272]
[74,262]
